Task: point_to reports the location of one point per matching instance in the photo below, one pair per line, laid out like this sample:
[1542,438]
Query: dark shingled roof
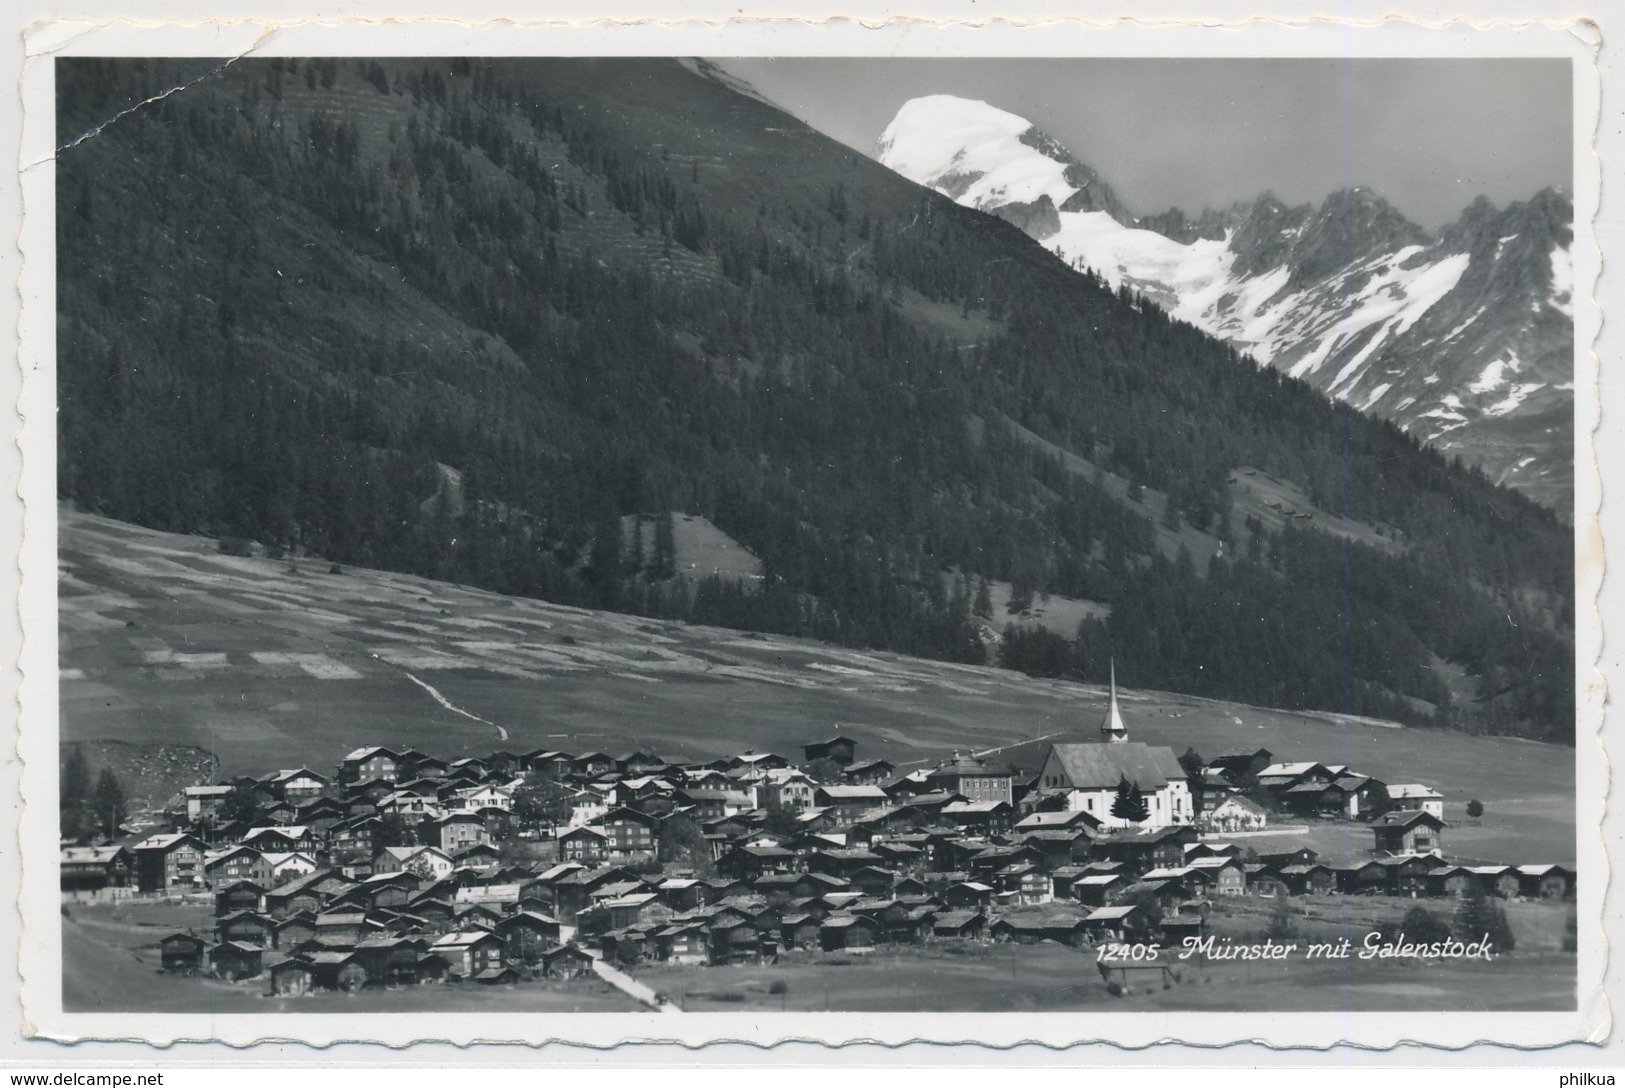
[1102,766]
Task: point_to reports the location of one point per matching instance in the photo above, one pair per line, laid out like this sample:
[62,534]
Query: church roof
[1102,766]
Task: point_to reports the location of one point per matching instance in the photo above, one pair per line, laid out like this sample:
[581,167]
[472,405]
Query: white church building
[1089,775]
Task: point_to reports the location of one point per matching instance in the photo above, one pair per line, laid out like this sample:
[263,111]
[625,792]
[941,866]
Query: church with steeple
[1112,730]
[1089,774]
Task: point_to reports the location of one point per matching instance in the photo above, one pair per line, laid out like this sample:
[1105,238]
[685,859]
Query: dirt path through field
[631,987]
[1017,744]
[443,701]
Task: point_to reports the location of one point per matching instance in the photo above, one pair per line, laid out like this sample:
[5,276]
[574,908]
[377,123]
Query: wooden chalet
[1407,833]
[88,869]
[1218,875]
[470,953]
[870,772]
[584,844]
[839,750]
[370,764]
[847,803]
[169,863]
[631,833]
[683,943]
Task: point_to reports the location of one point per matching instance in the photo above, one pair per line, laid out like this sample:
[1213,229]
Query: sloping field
[164,639]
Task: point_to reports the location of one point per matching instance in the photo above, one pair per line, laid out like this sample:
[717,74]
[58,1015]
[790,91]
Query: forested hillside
[291,291]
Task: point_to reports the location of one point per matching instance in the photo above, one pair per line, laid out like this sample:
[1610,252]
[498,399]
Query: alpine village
[402,869]
[743,577]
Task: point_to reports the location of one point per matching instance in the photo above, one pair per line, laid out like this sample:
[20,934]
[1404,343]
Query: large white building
[1089,775]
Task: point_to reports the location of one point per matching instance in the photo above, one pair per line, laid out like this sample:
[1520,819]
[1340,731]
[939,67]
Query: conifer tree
[665,550]
[634,551]
[1122,804]
[109,808]
[1480,916]
[74,795]
[1138,810]
[984,598]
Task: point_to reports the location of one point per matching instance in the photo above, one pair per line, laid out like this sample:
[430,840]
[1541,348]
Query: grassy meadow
[271,663]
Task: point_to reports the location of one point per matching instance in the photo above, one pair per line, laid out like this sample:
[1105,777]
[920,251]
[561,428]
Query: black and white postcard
[701,532]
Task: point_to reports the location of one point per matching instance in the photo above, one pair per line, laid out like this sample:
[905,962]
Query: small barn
[1500,881]
[1451,881]
[1098,889]
[846,932]
[969,925]
[1176,928]
[1545,882]
[433,967]
[799,931]
[566,962]
[248,927]
[1313,879]
[337,970]
[294,931]
[241,895]
[234,960]
[1019,930]
[969,893]
[182,954]
[391,961]
[292,978]
[1115,923]
[528,934]
[839,750]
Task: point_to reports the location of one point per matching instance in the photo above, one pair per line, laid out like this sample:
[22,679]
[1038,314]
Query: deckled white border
[40,953]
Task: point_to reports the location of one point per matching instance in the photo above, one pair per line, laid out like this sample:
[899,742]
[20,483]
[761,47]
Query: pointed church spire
[1112,728]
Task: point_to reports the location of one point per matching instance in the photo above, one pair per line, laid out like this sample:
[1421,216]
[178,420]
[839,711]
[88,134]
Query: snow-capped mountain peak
[987,158]
[1464,338]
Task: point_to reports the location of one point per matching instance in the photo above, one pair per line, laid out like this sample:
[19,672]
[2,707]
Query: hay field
[266,665]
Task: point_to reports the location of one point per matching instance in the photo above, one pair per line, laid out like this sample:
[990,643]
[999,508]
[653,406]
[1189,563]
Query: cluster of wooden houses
[403,868]
[1236,792]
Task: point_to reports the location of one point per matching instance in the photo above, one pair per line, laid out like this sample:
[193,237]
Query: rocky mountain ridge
[1462,337]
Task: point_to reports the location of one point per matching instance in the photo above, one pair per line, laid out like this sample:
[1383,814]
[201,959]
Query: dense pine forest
[295,293]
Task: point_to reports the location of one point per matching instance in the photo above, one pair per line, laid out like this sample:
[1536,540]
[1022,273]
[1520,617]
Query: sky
[1429,135]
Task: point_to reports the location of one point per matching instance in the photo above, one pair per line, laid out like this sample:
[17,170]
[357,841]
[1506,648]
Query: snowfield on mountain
[1463,338]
